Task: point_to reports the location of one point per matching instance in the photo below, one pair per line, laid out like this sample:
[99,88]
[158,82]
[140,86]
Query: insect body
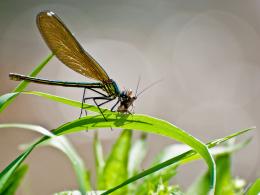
[68,50]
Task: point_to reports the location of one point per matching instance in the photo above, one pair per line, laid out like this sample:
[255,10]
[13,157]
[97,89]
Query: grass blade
[254,188]
[6,100]
[63,145]
[13,183]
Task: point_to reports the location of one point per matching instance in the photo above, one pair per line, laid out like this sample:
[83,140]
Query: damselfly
[68,50]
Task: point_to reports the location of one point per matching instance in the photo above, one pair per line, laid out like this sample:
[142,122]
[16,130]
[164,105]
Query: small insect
[68,50]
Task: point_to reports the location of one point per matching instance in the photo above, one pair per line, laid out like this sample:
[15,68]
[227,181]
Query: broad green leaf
[254,188]
[13,182]
[115,170]
[7,99]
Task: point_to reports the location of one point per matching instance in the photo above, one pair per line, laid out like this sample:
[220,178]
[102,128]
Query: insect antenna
[149,86]
[138,82]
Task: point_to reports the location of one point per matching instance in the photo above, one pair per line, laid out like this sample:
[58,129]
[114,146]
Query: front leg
[113,107]
[107,98]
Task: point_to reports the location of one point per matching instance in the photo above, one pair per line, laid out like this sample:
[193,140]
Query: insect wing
[66,48]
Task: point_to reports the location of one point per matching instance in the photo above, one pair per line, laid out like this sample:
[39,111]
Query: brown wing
[67,49]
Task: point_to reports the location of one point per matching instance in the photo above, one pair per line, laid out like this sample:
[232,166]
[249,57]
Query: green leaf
[13,182]
[115,170]
[254,188]
[6,99]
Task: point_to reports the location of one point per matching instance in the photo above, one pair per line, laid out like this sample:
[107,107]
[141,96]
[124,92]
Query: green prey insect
[68,50]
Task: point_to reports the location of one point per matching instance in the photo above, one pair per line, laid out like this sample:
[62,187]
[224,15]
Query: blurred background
[206,52]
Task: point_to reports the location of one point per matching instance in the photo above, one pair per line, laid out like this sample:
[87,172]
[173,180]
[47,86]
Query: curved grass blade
[13,182]
[5,174]
[140,122]
[55,98]
[144,123]
[6,100]
[224,183]
[89,122]
[63,145]
[254,188]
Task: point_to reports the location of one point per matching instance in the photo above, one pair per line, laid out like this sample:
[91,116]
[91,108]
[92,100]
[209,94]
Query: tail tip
[14,77]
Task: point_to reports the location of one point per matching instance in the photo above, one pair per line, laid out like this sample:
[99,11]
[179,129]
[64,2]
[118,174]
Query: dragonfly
[68,50]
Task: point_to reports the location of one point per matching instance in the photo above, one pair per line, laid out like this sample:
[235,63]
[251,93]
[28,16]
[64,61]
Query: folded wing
[66,48]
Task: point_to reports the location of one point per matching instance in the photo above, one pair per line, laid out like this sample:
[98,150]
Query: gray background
[206,52]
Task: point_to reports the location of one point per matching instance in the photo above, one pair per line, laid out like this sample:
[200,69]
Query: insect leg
[94,99]
[82,102]
[112,109]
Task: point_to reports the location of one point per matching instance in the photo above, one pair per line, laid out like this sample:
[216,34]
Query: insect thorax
[111,88]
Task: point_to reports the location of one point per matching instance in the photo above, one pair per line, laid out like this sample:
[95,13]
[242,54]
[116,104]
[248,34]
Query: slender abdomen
[19,77]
